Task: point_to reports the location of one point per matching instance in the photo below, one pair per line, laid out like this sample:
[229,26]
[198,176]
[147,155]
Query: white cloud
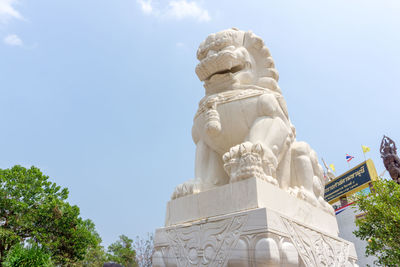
[146,6]
[12,40]
[7,11]
[182,9]
[176,9]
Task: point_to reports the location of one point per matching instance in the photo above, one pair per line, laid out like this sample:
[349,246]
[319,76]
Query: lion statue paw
[304,194]
[249,160]
[326,206]
[187,188]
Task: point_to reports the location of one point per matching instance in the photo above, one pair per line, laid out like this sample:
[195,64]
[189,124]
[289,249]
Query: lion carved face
[231,59]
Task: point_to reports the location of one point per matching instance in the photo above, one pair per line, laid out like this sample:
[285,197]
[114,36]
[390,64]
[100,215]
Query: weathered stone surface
[242,127]
[257,237]
[257,195]
[244,195]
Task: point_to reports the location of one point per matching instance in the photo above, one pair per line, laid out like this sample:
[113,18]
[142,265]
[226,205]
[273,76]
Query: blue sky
[100,95]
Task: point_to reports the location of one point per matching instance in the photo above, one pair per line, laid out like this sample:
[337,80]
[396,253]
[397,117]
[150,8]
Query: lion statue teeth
[242,128]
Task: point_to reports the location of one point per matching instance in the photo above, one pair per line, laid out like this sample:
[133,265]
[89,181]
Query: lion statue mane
[242,127]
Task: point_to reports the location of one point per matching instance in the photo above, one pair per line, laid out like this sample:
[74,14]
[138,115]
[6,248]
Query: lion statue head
[232,58]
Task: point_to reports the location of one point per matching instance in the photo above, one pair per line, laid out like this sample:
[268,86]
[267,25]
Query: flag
[332,167]
[349,158]
[365,149]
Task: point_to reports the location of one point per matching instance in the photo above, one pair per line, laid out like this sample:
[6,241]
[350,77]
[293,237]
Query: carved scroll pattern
[206,244]
[317,249]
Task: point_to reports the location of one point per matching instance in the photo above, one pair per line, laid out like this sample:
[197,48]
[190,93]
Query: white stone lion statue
[242,128]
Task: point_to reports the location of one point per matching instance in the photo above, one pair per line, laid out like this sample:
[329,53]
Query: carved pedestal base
[257,237]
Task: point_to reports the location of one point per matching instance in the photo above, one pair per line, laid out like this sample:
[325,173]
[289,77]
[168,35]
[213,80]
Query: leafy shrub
[380,226]
[32,256]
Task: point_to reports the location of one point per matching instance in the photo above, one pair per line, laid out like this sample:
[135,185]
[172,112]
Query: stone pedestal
[249,223]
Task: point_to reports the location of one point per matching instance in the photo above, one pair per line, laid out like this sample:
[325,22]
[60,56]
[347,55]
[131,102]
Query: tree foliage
[34,209]
[122,252]
[381,224]
[31,256]
[95,255]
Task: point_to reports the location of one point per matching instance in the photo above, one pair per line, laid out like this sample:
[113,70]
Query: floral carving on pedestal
[206,243]
[315,248]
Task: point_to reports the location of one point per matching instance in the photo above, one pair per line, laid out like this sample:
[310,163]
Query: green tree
[31,256]
[34,209]
[381,225]
[122,252]
[95,255]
